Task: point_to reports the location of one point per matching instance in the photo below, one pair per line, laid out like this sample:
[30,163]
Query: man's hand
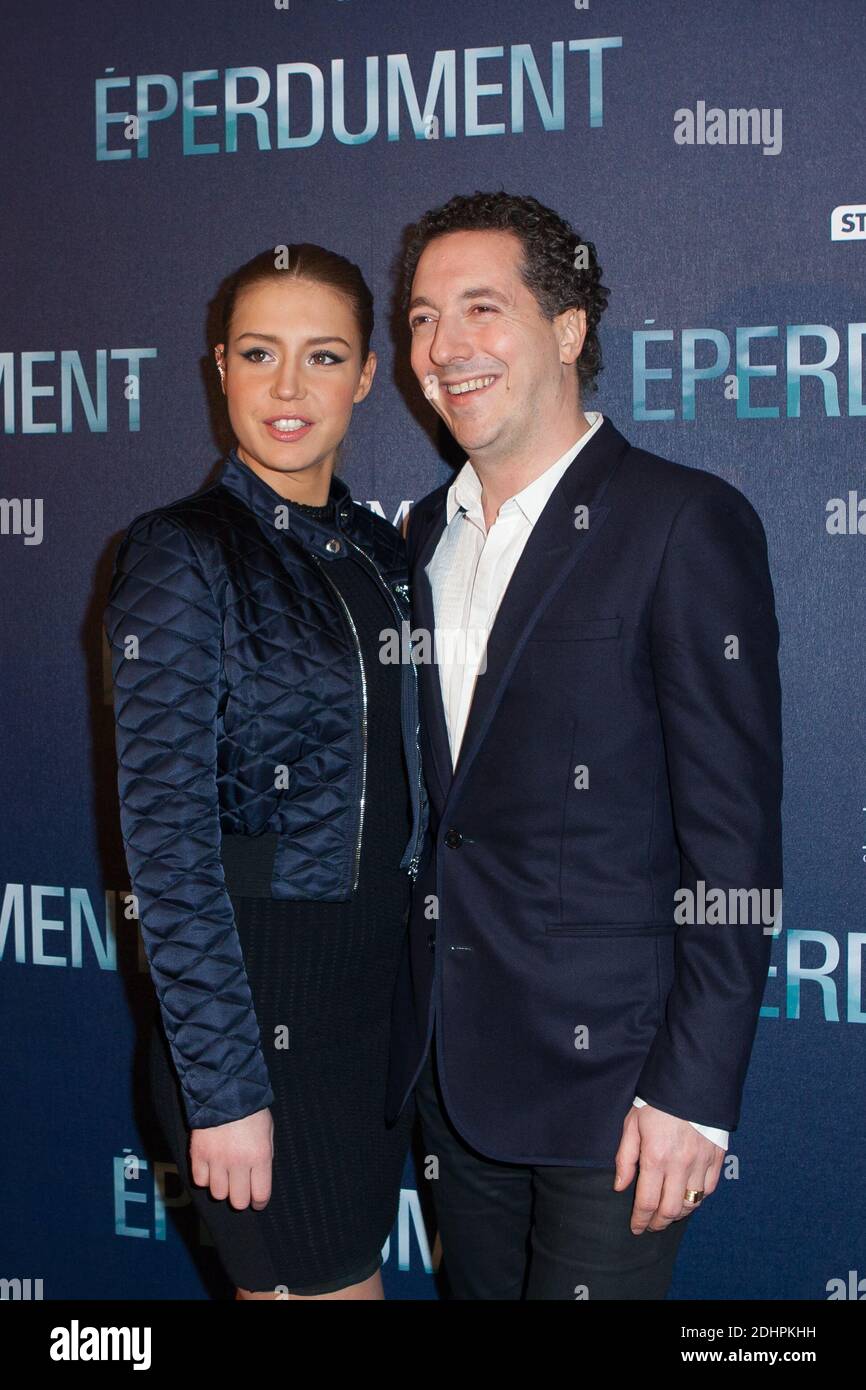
[234,1160]
[671,1156]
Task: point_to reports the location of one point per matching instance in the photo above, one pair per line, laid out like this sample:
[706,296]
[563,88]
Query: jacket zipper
[351,623]
[413,863]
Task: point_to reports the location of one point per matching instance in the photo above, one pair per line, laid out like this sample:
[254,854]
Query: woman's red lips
[287,436]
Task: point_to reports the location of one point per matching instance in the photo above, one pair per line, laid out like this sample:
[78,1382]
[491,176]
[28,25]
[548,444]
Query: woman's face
[292,372]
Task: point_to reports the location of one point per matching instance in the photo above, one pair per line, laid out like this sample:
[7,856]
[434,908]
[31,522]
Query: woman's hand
[234,1160]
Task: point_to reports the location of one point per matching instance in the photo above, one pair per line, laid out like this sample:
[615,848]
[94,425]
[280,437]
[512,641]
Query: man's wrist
[721,1137]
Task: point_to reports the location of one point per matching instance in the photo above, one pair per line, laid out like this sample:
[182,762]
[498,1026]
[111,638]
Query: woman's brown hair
[305,261]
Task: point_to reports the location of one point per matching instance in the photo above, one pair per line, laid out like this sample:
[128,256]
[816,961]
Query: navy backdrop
[733,343]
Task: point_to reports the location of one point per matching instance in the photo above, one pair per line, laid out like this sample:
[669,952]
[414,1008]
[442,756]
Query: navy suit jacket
[637,640]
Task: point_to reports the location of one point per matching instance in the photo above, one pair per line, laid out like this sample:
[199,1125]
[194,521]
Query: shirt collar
[464,494]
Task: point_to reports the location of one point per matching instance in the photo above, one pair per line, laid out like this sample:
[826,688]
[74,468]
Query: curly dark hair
[548,266]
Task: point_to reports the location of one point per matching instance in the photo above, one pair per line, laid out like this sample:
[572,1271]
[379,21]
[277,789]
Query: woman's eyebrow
[271,338]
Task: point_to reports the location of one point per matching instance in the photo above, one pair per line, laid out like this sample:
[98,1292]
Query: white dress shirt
[469,573]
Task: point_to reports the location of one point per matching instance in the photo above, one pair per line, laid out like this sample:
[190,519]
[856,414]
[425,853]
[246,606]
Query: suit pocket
[610,929]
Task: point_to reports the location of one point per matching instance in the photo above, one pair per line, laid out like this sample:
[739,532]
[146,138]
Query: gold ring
[693,1195]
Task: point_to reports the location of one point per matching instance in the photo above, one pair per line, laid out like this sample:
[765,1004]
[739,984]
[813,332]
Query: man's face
[474,321]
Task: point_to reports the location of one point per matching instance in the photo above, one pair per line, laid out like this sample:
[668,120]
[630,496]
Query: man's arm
[714,650]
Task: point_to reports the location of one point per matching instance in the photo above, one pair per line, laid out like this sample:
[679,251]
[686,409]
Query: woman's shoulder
[174,538]
[193,514]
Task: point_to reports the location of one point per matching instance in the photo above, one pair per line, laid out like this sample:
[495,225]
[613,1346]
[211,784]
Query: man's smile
[472,386]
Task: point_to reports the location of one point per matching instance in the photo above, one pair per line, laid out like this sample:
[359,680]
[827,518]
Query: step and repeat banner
[714,154]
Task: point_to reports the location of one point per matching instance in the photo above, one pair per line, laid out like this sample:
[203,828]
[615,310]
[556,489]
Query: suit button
[431,941]
[453,838]
[333,545]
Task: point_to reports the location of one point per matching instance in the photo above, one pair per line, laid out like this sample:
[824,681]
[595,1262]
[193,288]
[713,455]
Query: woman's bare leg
[370,1289]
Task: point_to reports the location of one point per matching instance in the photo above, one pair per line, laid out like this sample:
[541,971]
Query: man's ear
[572,327]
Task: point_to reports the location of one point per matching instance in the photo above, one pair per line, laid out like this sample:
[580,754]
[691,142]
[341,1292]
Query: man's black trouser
[511,1231]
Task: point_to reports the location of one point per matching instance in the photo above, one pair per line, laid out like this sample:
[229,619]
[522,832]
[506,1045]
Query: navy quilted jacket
[241,707]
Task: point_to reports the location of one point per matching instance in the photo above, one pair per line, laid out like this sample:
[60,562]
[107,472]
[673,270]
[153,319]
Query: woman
[271,799]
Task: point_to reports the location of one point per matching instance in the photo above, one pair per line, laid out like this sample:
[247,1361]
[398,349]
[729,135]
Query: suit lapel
[428,673]
[555,546]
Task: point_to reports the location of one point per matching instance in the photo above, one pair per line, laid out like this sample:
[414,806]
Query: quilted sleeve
[165,633]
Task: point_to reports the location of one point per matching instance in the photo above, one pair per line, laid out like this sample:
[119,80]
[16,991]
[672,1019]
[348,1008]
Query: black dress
[323,972]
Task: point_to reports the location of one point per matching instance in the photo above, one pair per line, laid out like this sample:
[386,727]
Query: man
[607,760]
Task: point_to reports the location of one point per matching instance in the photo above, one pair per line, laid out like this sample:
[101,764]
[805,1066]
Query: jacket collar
[312,531]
